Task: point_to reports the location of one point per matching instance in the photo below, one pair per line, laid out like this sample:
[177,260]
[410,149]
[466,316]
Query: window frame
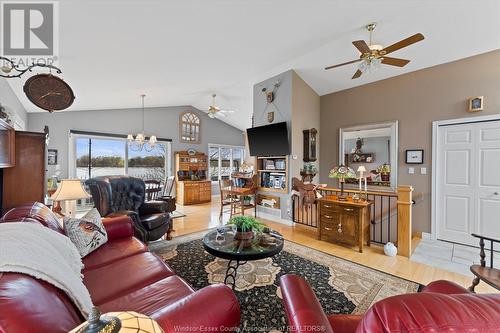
[72,173]
[181,125]
[219,146]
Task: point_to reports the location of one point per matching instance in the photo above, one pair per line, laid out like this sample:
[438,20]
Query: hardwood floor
[206,216]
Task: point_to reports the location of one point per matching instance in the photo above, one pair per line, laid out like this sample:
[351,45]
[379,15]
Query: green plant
[246,223]
[384,169]
[310,168]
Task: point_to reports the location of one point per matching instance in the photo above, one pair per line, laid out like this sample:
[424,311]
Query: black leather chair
[123,195]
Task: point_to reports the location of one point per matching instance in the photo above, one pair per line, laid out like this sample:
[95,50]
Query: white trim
[394,149]
[274,218]
[426,235]
[435,131]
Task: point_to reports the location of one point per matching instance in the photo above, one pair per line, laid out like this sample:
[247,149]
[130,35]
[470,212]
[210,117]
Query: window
[99,157]
[189,127]
[224,160]
[95,156]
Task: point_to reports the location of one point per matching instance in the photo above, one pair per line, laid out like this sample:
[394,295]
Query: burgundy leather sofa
[120,275]
[442,306]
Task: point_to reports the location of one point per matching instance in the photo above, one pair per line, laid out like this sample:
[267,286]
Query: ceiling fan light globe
[130,138]
[376,62]
[363,66]
[153,140]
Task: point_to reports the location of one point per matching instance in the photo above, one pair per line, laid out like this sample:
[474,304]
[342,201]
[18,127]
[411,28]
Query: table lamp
[342,172]
[361,170]
[117,322]
[70,190]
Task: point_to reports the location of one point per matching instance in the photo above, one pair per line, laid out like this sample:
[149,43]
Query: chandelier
[140,143]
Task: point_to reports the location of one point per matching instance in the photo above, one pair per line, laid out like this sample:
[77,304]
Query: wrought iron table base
[231,271]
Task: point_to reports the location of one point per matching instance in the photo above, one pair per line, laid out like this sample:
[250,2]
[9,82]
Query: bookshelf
[273,173]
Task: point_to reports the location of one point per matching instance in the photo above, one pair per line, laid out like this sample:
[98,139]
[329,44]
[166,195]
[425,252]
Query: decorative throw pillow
[87,233]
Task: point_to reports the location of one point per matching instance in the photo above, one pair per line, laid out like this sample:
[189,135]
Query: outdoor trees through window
[98,156]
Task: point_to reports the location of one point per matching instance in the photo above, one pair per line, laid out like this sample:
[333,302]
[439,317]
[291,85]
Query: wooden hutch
[191,172]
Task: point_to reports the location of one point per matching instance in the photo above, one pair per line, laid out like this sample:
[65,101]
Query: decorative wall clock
[49,92]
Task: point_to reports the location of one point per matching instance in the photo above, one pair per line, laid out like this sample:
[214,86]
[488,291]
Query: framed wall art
[52,157]
[414,156]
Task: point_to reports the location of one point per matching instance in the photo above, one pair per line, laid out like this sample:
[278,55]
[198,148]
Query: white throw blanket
[40,252]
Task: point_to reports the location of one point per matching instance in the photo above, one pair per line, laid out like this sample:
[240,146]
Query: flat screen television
[269,140]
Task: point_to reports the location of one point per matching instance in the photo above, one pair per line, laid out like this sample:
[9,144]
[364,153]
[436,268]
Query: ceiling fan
[214,111]
[373,55]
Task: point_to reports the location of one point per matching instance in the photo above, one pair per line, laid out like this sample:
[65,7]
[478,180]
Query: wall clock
[49,92]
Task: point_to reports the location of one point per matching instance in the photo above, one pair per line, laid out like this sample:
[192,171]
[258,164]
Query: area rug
[175,214]
[340,285]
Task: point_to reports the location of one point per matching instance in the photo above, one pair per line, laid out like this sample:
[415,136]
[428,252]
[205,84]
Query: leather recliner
[123,195]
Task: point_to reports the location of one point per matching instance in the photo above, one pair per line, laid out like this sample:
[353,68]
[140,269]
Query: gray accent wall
[299,106]
[161,121]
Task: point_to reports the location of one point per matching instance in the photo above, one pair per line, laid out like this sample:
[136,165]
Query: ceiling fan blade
[357,74]
[361,46]
[395,61]
[345,63]
[404,43]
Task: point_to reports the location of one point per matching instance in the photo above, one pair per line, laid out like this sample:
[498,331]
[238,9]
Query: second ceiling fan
[374,55]
[214,111]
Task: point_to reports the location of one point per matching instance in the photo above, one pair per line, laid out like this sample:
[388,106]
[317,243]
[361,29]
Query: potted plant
[247,200]
[385,172]
[246,226]
[308,172]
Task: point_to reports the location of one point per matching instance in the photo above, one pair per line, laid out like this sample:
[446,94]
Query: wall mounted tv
[269,140]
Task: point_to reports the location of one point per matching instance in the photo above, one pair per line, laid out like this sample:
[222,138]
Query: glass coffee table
[221,244]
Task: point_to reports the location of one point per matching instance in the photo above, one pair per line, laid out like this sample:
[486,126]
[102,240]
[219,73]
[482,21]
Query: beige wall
[305,115]
[415,99]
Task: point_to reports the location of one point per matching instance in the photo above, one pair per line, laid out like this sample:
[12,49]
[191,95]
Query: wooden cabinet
[344,222]
[194,192]
[25,182]
[191,174]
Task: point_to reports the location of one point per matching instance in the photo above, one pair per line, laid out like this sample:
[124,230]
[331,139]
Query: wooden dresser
[191,171]
[344,222]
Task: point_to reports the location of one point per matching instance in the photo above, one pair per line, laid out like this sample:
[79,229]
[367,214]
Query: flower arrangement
[384,169]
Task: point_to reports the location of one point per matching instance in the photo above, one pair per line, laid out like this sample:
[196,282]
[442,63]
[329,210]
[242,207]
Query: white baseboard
[426,235]
[275,219]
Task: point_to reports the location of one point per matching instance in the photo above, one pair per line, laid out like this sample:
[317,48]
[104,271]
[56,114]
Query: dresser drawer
[328,208]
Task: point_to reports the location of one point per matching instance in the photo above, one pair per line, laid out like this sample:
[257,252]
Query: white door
[468,181]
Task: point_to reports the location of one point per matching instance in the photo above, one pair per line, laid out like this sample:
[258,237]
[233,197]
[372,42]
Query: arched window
[189,127]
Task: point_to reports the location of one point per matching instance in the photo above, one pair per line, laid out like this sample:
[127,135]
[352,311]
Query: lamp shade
[70,189]
[361,168]
[130,322]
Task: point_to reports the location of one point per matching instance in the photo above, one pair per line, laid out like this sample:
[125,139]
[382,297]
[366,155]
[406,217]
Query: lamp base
[100,324]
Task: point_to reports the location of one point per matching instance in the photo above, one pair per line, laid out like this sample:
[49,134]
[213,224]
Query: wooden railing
[390,215]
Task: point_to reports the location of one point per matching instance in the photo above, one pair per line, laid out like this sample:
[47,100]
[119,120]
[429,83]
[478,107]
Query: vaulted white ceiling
[180,52]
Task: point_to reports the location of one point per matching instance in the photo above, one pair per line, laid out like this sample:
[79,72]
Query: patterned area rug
[340,285]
